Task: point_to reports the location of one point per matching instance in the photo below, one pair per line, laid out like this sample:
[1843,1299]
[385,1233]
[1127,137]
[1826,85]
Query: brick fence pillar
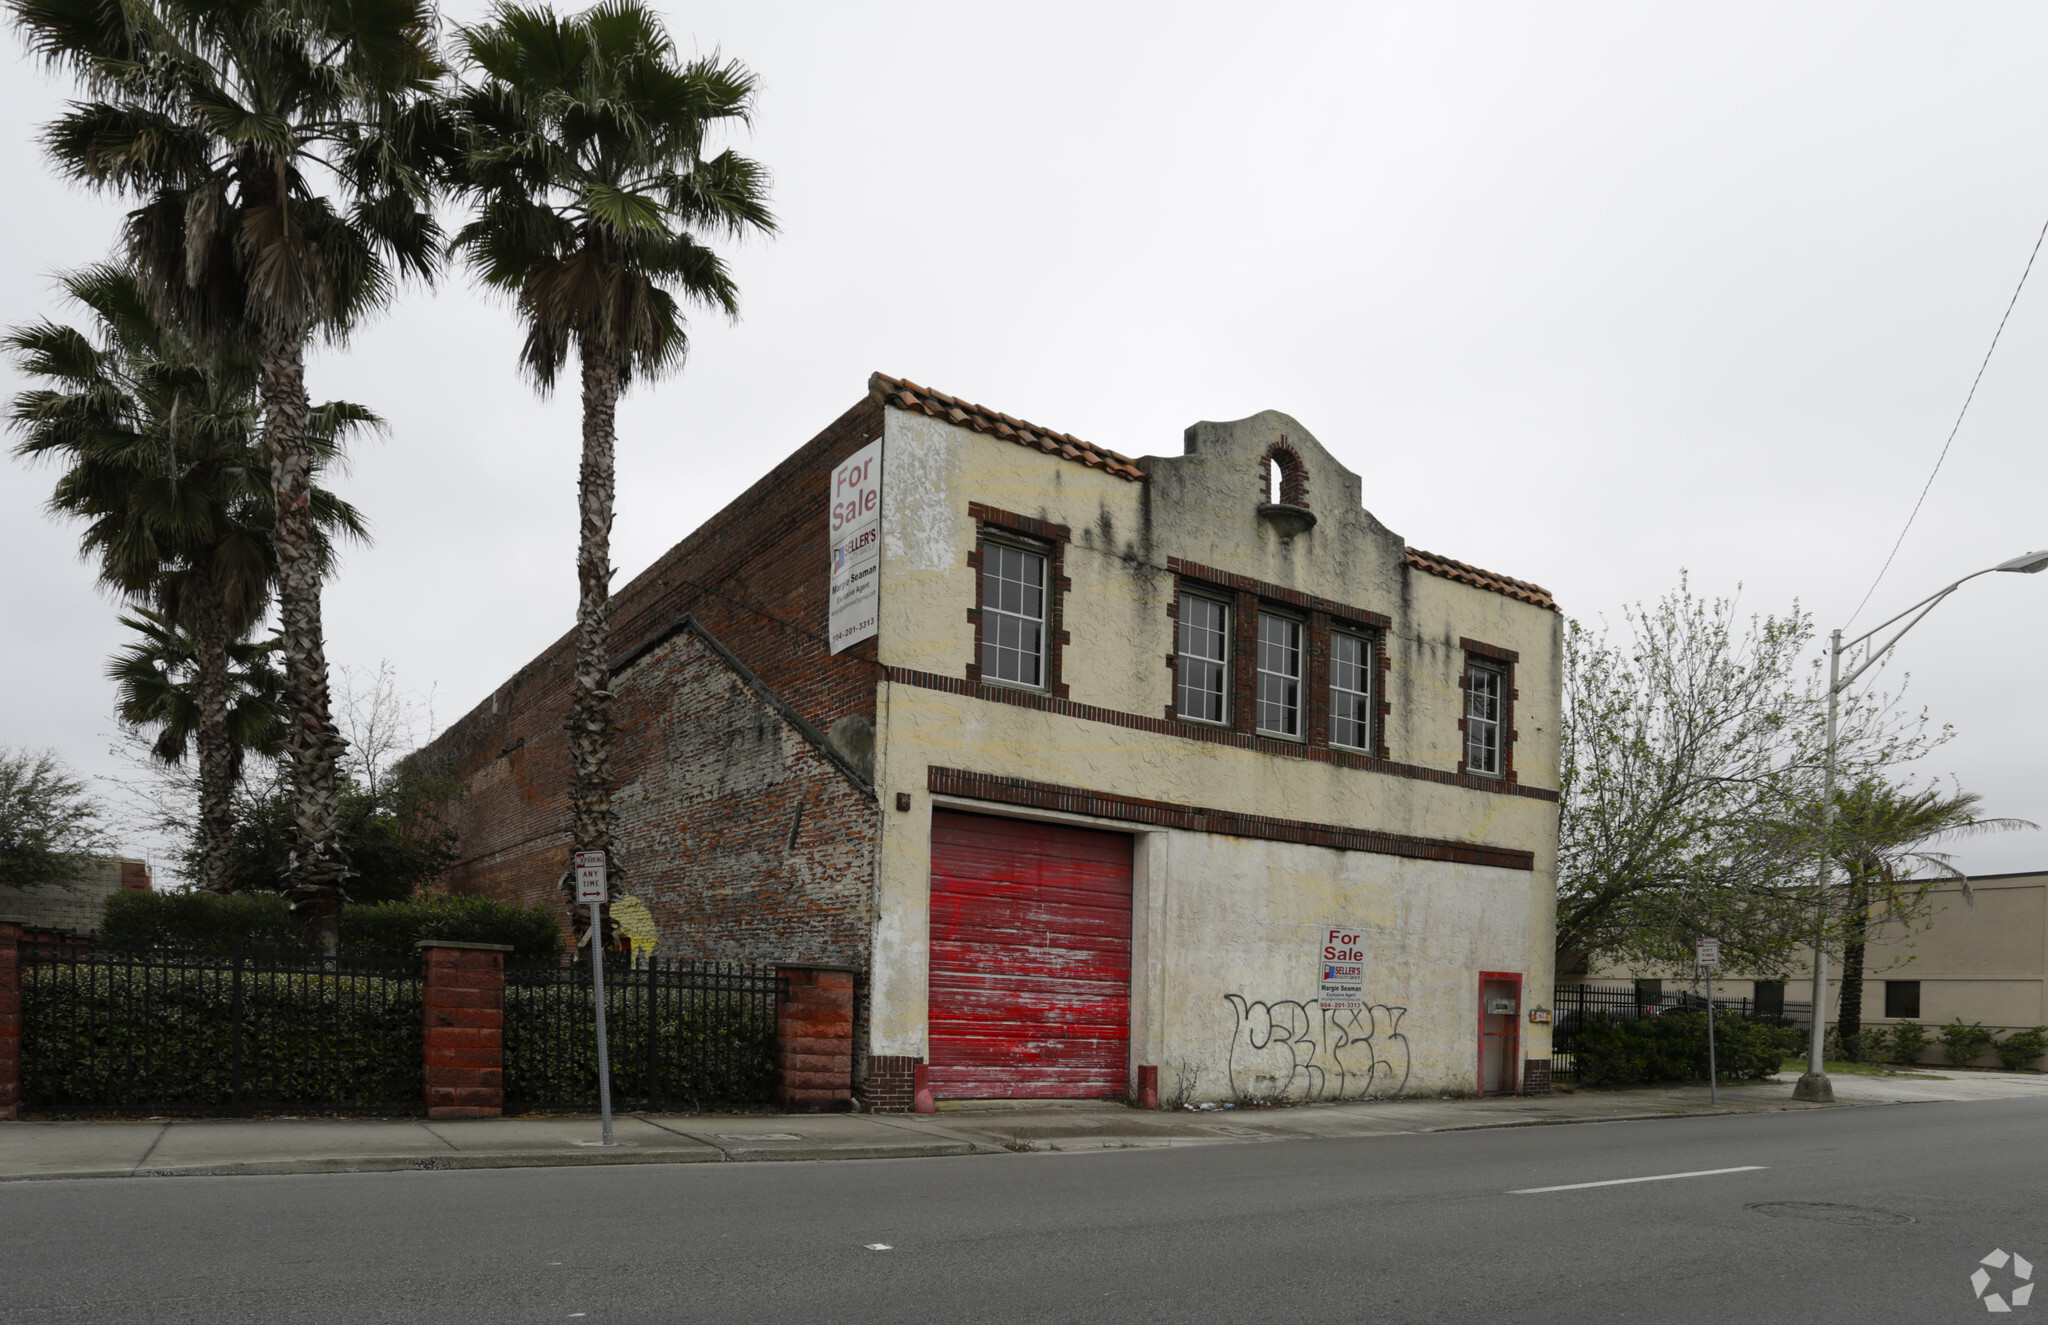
[463,1050]
[10,1017]
[1536,1076]
[814,1039]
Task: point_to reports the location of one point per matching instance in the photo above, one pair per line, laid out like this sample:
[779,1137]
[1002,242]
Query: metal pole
[604,1059]
[1814,1087]
[1713,1069]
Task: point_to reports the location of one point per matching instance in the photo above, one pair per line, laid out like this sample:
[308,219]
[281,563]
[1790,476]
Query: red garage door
[1031,960]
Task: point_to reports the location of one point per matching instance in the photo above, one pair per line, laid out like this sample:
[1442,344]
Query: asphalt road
[1393,1228]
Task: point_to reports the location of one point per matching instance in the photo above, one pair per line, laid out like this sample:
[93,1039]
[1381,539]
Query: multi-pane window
[1204,658]
[1483,696]
[1012,615]
[1279,675]
[1351,691]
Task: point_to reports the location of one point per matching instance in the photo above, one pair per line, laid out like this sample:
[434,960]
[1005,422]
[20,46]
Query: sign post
[590,888]
[1707,953]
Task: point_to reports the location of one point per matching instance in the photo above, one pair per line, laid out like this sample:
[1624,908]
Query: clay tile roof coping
[902,393]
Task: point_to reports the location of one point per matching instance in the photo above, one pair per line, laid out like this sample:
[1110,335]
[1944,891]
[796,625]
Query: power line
[2010,304]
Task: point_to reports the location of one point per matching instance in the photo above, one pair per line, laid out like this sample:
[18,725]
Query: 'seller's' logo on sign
[2022,1270]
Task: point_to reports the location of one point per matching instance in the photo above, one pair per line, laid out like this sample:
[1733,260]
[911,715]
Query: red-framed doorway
[1500,1033]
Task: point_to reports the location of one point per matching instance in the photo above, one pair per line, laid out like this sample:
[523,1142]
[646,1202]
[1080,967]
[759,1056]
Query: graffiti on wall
[1301,1051]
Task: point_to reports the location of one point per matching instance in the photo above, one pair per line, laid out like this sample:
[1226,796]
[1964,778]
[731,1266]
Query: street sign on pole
[1708,952]
[591,889]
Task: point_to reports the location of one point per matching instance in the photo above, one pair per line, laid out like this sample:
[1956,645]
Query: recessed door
[1030,986]
[1500,1032]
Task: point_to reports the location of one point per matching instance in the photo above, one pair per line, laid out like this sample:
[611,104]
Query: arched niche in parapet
[1283,498]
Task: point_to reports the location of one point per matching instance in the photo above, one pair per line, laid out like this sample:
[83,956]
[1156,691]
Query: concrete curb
[516,1160]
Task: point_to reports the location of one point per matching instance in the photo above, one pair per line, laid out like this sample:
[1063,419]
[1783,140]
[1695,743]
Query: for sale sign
[856,536]
[590,876]
[1342,966]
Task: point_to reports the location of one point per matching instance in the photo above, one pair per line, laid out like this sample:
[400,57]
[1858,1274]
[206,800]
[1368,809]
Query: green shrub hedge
[1634,1051]
[159,1037]
[673,1048]
[137,922]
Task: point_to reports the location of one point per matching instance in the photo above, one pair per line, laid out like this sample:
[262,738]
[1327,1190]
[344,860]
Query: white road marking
[1621,1182]
[879,1246]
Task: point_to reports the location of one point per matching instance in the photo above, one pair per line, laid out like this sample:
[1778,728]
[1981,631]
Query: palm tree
[583,143]
[1883,838]
[156,682]
[163,465]
[282,153]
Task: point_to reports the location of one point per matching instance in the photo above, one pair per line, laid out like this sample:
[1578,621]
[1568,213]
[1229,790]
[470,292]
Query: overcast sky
[1588,294]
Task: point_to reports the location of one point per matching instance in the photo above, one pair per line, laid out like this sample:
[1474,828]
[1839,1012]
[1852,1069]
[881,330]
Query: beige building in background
[1985,963]
[75,909]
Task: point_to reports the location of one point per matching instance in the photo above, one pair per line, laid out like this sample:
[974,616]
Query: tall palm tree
[583,147]
[156,682]
[282,154]
[1884,838]
[158,437]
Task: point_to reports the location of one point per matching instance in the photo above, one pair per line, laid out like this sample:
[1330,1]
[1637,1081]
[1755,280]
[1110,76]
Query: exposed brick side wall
[10,1021]
[814,1040]
[464,1041]
[754,575]
[745,840]
[889,1081]
[1536,1076]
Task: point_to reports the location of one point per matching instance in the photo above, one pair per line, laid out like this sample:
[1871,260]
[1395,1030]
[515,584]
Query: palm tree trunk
[217,759]
[1855,924]
[590,794]
[319,865]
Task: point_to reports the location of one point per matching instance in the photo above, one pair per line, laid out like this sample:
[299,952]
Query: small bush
[2021,1048]
[137,922]
[1611,1051]
[1960,1043]
[1907,1042]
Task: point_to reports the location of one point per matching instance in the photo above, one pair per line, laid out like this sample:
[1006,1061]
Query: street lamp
[1814,1087]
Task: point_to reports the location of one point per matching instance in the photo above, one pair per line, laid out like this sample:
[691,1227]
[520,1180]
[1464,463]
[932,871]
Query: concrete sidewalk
[56,1150]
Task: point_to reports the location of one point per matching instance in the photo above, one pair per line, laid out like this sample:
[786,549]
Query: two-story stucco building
[1083,763]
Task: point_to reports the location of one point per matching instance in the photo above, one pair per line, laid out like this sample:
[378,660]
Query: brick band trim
[1201,819]
[954,685]
[1278,593]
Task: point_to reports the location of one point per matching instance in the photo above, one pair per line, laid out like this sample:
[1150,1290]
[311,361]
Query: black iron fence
[1573,1005]
[243,1031]
[681,1035]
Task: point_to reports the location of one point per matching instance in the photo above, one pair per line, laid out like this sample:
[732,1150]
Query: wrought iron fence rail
[246,1030]
[1572,1005]
[681,1035]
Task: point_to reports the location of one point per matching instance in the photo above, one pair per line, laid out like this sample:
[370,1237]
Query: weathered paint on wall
[1223,924]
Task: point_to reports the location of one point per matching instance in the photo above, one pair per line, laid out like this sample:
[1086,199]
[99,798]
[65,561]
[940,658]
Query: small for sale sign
[1342,964]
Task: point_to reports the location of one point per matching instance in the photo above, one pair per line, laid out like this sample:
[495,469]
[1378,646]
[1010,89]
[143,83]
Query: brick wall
[1536,1076]
[75,909]
[745,839]
[887,1084]
[754,575]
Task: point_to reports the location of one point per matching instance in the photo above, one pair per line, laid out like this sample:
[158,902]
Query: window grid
[1351,712]
[1013,615]
[1482,720]
[1204,659]
[1279,675]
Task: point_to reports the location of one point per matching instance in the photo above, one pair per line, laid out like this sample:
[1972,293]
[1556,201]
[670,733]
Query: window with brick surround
[1351,702]
[1203,660]
[1279,693]
[1013,601]
[1485,712]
